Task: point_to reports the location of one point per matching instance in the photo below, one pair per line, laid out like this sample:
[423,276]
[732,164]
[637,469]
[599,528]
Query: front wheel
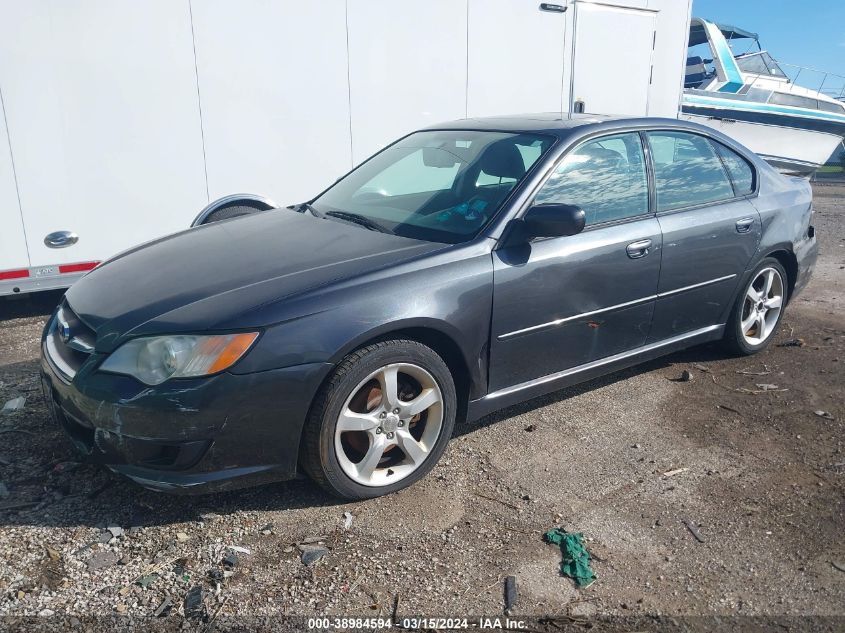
[758,309]
[381,422]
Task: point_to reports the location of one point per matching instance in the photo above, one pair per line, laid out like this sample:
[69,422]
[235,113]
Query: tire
[350,421]
[744,339]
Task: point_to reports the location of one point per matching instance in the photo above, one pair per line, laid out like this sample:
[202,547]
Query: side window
[687,171]
[829,106]
[740,170]
[784,98]
[606,177]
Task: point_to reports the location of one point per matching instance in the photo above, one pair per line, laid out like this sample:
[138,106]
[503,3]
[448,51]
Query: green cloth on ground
[576,558]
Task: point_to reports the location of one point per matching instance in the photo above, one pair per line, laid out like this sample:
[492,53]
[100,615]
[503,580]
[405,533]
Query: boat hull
[792,150]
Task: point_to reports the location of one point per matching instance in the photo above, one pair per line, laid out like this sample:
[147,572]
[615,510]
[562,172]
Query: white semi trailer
[122,119]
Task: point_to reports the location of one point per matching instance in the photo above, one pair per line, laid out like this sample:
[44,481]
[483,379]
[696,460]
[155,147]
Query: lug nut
[401,422]
[396,410]
[382,415]
[378,430]
[390,436]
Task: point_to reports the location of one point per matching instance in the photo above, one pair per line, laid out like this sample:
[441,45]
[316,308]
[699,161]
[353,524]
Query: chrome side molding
[557,322]
[572,371]
[669,293]
[618,306]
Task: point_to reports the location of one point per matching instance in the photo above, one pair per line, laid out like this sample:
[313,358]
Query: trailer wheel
[232,207]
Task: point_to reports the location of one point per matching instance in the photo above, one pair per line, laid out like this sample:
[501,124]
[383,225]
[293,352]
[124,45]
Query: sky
[806,32]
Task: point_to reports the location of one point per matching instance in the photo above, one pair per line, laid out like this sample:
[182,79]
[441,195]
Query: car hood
[192,280]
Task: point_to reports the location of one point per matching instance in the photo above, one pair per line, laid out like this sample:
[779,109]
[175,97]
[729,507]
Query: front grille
[69,342]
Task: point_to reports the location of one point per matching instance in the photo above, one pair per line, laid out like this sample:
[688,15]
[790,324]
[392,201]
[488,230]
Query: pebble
[312,553]
[102,559]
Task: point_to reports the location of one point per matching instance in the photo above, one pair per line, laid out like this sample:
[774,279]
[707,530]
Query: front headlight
[153,360]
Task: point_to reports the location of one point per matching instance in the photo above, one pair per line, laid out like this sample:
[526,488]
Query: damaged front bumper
[187,435]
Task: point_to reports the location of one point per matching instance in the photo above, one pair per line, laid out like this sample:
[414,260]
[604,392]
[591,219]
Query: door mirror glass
[554,220]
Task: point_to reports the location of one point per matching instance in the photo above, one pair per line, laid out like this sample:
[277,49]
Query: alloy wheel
[389,424]
[762,306]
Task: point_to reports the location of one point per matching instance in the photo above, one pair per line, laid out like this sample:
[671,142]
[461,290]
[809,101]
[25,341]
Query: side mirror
[554,220]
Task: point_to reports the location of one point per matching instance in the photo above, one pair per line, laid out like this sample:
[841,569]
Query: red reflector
[77,268]
[14,274]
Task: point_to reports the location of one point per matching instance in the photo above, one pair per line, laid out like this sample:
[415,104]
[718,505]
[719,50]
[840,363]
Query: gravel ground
[628,460]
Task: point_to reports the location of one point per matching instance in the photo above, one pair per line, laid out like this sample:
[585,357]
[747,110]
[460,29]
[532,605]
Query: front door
[710,229]
[562,302]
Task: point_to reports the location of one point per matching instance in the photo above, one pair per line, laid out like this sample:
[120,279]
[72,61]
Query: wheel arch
[789,262]
[470,379]
[784,255]
[259,203]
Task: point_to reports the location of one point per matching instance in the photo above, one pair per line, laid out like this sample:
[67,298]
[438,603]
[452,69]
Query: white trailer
[123,118]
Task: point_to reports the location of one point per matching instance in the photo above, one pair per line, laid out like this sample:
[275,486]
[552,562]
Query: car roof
[572,127]
[560,124]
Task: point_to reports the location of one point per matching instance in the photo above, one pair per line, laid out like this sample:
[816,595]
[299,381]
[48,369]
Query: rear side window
[687,171]
[606,177]
[740,170]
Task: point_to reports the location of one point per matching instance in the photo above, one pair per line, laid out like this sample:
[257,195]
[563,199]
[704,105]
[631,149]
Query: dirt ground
[626,459]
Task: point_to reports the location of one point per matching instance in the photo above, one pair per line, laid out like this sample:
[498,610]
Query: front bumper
[198,435]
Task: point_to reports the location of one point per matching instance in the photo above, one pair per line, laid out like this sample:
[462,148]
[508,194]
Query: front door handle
[744,225]
[638,249]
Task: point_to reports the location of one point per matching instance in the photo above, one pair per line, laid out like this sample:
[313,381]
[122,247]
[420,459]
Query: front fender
[451,298]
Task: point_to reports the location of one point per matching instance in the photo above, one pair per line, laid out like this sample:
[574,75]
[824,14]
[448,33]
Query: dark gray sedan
[464,268]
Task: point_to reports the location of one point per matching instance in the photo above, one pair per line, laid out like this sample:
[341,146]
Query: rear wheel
[758,309]
[382,421]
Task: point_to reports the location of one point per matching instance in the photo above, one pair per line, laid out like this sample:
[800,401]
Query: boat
[734,85]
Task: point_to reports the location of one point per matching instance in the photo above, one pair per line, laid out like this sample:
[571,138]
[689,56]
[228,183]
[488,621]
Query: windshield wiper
[359,219]
[307,206]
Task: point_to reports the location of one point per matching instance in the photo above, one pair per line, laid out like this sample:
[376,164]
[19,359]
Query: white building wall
[274,94]
[12,240]
[407,68]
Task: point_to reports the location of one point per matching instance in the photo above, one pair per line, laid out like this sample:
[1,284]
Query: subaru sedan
[462,269]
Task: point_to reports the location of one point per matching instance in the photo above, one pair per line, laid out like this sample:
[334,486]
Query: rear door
[562,302]
[612,57]
[710,229]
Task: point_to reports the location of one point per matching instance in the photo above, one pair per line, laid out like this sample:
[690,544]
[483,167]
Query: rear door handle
[744,225]
[638,249]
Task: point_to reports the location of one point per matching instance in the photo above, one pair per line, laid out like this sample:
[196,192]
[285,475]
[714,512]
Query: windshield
[440,186]
[760,64]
